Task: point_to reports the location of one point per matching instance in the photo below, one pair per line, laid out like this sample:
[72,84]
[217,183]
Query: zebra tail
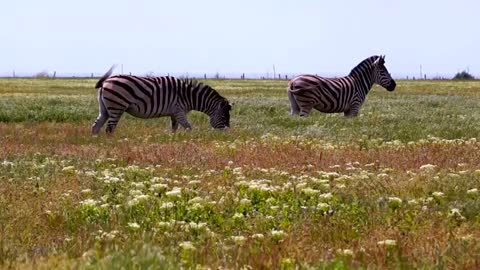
[291,88]
[104,77]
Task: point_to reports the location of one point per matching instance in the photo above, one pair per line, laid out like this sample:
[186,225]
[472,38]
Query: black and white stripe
[150,97]
[335,95]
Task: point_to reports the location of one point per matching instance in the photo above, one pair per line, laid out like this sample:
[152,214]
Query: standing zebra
[149,97]
[335,95]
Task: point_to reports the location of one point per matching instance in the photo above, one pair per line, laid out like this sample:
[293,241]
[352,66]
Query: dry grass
[332,191]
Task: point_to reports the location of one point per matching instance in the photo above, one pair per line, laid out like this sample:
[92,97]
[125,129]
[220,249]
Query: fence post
[54,74]
[14,74]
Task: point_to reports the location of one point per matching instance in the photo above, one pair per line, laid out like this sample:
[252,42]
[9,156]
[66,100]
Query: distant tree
[150,74]
[42,75]
[464,75]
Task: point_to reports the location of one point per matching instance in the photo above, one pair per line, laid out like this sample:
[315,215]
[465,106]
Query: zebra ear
[225,105]
[380,60]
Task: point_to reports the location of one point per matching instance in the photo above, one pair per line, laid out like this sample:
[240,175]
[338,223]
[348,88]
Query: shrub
[42,75]
[464,75]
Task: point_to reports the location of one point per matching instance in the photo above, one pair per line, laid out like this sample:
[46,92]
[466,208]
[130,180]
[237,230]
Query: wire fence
[208,76]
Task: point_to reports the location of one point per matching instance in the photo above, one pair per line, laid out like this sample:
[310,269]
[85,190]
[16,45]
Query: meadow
[395,188]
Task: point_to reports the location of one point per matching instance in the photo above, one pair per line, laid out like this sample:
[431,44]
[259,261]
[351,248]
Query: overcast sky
[178,36]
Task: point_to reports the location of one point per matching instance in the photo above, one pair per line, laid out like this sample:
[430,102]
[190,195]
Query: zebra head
[381,75]
[220,119]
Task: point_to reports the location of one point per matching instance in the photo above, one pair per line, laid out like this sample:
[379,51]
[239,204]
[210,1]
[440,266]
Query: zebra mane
[365,63]
[200,86]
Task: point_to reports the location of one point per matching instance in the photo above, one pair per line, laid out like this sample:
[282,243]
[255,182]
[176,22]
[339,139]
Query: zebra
[150,97]
[336,95]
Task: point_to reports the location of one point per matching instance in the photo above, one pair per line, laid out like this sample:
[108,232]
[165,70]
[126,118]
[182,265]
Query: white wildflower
[138,185]
[258,236]
[456,214]
[89,202]
[412,202]
[345,252]
[278,235]
[326,196]
[167,205]
[324,207]
[133,225]
[194,182]
[383,176]
[428,167]
[136,192]
[310,191]
[158,187]
[438,195]
[387,243]
[394,202]
[164,225]
[68,169]
[239,240]
[187,246]
[472,192]
[467,238]
[301,185]
[196,200]
[86,191]
[238,216]
[7,163]
[176,192]
[111,235]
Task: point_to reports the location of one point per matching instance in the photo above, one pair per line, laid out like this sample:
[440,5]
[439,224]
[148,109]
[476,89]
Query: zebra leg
[305,110]
[98,124]
[102,116]
[294,108]
[174,123]
[181,118]
[113,121]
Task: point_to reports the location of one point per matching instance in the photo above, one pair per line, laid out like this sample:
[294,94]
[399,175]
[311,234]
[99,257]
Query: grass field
[395,188]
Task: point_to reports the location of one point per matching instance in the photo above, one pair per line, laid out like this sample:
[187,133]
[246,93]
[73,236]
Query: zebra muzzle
[391,86]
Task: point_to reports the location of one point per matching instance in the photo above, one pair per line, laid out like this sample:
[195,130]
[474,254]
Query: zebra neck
[206,101]
[363,80]
[207,109]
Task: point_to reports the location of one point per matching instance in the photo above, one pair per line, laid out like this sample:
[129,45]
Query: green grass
[441,109]
[274,191]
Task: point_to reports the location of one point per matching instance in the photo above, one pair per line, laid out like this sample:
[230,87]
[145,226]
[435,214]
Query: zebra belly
[134,111]
[329,110]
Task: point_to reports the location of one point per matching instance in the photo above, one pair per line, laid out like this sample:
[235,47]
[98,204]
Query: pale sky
[179,36]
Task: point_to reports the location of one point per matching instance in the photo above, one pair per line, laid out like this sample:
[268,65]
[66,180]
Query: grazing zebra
[149,97]
[335,95]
